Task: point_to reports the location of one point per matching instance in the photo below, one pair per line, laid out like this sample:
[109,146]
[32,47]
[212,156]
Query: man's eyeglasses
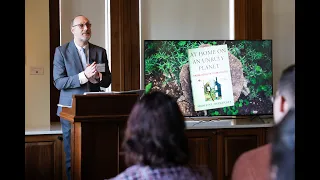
[81,26]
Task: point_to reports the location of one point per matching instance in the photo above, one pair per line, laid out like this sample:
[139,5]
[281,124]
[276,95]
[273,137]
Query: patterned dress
[139,172]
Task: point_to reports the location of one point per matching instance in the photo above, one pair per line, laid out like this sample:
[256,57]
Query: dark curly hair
[155,133]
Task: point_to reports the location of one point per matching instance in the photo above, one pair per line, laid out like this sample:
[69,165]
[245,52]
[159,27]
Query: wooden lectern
[98,122]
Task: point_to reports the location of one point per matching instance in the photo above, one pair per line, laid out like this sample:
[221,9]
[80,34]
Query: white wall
[278,24]
[94,10]
[184,19]
[37,87]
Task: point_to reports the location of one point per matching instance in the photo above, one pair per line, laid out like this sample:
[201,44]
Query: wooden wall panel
[125,44]
[43,157]
[54,24]
[248,19]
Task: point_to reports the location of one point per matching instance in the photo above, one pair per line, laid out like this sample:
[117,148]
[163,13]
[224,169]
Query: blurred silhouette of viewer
[283,149]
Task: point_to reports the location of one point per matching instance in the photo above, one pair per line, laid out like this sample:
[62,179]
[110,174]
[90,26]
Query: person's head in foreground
[283,149]
[285,95]
[155,144]
[283,137]
[155,132]
[255,163]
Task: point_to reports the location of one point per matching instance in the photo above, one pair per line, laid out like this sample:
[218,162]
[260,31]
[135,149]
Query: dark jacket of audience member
[283,149]
[155,145]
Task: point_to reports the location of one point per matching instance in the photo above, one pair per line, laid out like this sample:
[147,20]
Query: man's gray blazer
[66,67]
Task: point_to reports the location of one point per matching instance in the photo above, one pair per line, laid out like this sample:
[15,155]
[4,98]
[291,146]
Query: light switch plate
[36,70]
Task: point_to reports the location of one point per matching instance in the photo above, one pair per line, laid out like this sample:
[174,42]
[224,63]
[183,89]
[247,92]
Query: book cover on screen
[210,77]
[167,69]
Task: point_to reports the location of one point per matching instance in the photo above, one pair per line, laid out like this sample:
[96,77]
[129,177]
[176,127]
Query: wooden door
[203,149]
[43,157]
[232,143]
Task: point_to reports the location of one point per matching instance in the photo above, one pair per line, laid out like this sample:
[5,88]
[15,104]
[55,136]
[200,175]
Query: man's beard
[85,39]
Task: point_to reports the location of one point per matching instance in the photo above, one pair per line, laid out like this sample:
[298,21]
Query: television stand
[259,118]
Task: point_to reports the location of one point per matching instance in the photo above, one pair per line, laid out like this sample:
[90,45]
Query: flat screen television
[174,67]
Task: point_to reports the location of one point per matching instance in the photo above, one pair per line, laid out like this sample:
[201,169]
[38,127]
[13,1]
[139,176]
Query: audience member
[255,164]
[155,144]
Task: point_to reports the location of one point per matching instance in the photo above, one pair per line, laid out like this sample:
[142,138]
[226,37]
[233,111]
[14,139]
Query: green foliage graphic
[166,58]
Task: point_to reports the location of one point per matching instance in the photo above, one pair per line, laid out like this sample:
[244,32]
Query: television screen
[212,77]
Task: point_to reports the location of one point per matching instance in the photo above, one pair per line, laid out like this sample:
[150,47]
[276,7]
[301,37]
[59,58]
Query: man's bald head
[81,30]
[76,18]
